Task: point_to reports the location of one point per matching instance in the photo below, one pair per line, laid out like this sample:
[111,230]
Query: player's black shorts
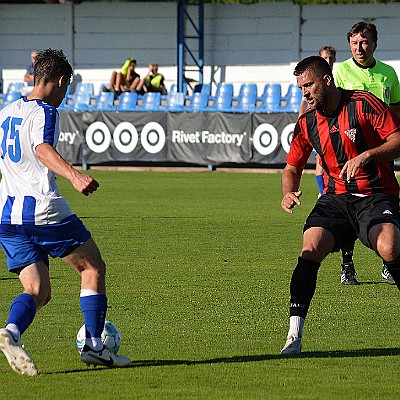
[348,217]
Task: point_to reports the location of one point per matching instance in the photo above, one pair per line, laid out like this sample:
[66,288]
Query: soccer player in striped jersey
[36,221]
[357,137]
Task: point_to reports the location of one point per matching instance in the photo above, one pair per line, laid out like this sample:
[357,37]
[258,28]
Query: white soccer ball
[111,337]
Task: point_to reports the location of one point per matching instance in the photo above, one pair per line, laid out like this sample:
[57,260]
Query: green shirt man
[363,71]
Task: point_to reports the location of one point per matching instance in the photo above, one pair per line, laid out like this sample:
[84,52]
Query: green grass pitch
[198,270]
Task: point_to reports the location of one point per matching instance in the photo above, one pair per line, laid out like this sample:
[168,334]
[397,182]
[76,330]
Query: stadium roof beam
[185,42]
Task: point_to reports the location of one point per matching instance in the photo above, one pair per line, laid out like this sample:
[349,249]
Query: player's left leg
[385,240]
[87,261]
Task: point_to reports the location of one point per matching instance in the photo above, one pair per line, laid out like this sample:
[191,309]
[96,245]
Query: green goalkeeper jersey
[379,79]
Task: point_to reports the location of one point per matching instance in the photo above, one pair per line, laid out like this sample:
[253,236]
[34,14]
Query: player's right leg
[317,244]
[36,282]
[87,261]
[31,265]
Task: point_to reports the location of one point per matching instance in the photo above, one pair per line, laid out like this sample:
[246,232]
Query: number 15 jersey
[28,189]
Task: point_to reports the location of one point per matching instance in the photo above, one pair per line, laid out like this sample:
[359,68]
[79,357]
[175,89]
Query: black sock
[394,269]
[302,286]
[347,254]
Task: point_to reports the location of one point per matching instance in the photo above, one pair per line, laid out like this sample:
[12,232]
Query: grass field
[198,282]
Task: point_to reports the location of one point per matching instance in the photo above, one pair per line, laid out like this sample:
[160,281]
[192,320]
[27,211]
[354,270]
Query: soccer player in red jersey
[357,137]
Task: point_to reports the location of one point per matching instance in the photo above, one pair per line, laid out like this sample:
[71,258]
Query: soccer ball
[111,337]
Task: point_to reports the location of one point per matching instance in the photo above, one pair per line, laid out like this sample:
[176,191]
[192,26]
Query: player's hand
[290,200]
[350,168]
[85,184]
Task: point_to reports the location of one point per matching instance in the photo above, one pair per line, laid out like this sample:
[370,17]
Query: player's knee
[42,297]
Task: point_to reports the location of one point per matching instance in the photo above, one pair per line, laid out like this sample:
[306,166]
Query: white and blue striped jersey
[28,189]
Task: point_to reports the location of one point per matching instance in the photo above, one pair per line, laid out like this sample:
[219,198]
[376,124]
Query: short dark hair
[329,49]
[50,65]
[363,28]
[316,64]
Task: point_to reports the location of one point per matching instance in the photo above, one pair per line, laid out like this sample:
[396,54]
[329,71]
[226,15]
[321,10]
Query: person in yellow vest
[126,79]
[153,82]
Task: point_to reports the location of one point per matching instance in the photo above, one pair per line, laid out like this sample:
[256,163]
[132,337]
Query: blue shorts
[27,244]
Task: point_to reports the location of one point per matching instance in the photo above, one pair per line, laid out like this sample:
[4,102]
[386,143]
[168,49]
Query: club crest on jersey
[351,134]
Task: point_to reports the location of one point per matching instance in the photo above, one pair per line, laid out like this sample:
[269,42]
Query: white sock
[94,343]
[296,326]
[14,330]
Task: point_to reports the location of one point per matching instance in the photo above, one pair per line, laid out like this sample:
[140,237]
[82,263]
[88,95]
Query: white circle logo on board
[287,136]
[98,137]
[153,137]
[125,137]
[265,139]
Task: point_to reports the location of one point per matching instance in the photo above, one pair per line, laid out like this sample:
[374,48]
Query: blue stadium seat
[293,99]
[174,88]
[203,88]
[247,99]
[9,97]
[223,98]
[271,98]
[127,101]
[105,101]
[83,87]
[15,86]
[175,101]
[64,103]
[80,102]
[198,102]
[151,102]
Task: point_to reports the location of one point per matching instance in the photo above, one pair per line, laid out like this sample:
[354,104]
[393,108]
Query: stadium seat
[203,88]
[63,105]
[151,102]
[247,98]
[80,102]
[223,98]
[127,101]
[15,86]
[198,101]
[175,101]
[83,87]
[293,99]
[271,98]
[174,88]
[9,97]
[105,101]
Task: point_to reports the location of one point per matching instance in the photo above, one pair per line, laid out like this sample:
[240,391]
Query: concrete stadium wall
[243,43]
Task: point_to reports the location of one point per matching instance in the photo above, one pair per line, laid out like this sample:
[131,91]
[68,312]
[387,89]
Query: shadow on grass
[247,359]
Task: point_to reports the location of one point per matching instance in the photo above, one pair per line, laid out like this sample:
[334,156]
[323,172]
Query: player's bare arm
[83,183]
[390,150]
[291,177]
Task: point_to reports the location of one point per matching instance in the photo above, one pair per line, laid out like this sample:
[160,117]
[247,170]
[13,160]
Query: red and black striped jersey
[361,122]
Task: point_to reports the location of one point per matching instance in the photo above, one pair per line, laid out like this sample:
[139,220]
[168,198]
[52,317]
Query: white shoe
[20,361]
[103,357]
[387,275]
[292,346]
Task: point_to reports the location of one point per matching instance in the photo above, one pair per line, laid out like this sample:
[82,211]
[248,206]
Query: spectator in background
[364,72]
[126,79]
[153,82]
[28,77]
